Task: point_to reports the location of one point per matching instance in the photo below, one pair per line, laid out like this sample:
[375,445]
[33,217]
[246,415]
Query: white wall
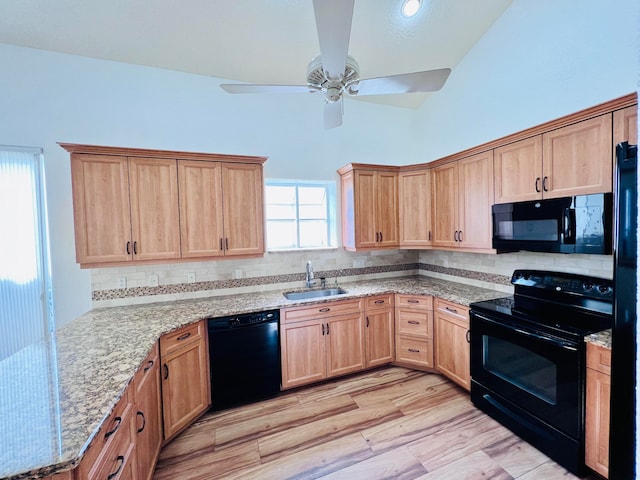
[540,60]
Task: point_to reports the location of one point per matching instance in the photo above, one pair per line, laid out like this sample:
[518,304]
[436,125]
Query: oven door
[540,374]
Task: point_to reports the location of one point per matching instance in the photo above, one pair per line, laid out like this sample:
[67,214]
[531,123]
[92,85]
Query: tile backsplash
[177,281]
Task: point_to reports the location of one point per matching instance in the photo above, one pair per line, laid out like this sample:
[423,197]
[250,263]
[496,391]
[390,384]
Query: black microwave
[580,224]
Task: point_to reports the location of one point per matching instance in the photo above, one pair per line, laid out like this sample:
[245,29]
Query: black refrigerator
[622,436]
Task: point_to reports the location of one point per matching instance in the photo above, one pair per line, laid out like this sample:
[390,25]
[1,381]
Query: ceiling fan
[335,73]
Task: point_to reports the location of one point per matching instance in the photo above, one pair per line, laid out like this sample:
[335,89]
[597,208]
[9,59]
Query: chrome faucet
[310,279]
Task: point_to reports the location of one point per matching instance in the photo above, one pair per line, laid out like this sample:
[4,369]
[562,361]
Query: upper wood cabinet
[414,208]
[221,209]
[369,207]
[625,126]
[518,171]
[134,205]
[462,196]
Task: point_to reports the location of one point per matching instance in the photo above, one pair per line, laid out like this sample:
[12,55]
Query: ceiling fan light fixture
[410,7]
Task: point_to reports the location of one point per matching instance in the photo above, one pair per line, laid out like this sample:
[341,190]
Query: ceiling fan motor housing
[317,79]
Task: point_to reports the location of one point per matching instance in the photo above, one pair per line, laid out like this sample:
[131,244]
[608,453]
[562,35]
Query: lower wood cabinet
[379,328]
[597,408]
[452,355]
[186,392]
[414,331]
[321,341]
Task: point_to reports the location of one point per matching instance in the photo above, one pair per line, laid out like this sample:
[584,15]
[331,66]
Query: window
[25,294]
[300,214]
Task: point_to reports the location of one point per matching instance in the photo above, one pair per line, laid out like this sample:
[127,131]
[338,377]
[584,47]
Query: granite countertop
[55,394]
[600,338]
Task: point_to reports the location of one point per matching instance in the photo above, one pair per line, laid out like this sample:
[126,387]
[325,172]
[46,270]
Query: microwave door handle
[569,225]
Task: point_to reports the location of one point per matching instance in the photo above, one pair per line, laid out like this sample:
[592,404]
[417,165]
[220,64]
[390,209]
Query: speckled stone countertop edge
[146,323]
[600,338]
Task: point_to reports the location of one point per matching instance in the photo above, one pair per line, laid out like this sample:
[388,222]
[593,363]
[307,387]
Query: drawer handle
[149,366]
[467,336]
[144,421]
[121,463]
[452,310]
[118,421]
[413,322]
[413,301]
[379,301]
[166,371]
[414,350]
[323,310]
[184,336]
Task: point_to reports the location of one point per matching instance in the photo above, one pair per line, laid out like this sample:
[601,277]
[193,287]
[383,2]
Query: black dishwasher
[244,356]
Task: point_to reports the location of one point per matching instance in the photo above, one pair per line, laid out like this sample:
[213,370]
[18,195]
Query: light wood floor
[391,423]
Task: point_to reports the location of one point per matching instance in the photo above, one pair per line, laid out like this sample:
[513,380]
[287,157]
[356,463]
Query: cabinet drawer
[379,301]
[118,463]
[599,358]
[415,351]
[452,310]
[323,310]
[183,336]
[146,368]
[415,301]
[414,322]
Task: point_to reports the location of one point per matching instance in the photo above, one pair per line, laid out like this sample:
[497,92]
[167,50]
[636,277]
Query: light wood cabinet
[452,355]
[379,330]
[625,126]
[148,414]
[321,341]
[518,171]
[462,196]
[186,392]
[221,209]
[369,207]
[414,208]
[597,411]
[414,331]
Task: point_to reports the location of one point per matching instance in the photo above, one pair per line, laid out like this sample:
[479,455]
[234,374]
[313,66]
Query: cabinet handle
[379,301]
[327,329]
[455,236]
[226,243]
[377,236]
[367,321]
[452,310]
[323,310]
[413,322]
[429,235]
[413,301]
[467,336]
[414,350]
[460,236]
[121,463]
[184,336]
[166,371]
[144,421]
[128,248]
[149,365]
[118,421]
[221,244]
[135,247]
[538,184]
[544,184]
[380,236]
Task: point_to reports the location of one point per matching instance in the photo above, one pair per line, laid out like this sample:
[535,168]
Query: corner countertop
[55,394]
[600,338]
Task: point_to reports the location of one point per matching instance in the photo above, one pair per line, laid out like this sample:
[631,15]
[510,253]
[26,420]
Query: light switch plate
[122,282]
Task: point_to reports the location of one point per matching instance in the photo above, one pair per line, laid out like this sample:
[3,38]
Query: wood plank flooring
[390,423]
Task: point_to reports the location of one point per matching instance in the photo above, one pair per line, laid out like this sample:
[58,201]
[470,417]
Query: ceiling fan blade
[333,114]
[255,88]
[333,21]
[428,81]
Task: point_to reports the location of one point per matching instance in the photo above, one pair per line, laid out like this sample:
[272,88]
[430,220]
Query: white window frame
[331,215]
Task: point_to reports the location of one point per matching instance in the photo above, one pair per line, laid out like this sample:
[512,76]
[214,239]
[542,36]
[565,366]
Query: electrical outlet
[122,282]
[152,280]
[191,277]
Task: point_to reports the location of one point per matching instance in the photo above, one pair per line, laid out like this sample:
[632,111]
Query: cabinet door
[344,340]
[102,218]
[200,193]
[518,171]
[597,421]
[414,213]
[148,415]
[475,187]
[625,126]
[154,208]
[243,204]
[445,205]
[387,208]
[303,353]
[379,337]
[576,158]
[452,349]
[185,386]
[366,229]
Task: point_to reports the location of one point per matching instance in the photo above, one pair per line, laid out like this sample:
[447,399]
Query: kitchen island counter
[55,394]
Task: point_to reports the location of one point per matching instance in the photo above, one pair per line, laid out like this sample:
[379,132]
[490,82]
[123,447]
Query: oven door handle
[538,336]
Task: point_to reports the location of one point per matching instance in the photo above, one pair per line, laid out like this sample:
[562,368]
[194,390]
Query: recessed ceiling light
[411,7]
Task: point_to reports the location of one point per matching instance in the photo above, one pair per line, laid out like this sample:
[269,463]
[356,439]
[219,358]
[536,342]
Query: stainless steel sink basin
[325,292]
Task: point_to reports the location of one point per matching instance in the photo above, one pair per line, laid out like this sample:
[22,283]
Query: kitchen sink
[325,292]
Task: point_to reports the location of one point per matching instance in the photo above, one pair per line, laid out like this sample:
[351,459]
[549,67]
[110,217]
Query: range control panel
[582,285]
